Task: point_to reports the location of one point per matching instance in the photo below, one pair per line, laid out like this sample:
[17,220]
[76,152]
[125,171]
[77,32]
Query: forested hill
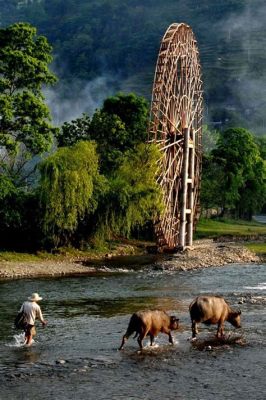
[102,46]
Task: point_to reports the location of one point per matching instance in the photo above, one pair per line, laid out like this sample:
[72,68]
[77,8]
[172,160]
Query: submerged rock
[62,362]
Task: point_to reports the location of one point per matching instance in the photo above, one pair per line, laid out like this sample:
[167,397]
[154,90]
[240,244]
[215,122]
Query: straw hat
[35,297]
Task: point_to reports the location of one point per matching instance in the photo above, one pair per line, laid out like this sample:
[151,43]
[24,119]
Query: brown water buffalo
[150,323]
[212,310]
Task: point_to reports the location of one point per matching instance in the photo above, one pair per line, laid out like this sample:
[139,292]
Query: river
[76,356]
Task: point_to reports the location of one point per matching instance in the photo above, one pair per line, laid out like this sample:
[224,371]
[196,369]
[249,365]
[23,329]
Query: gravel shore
[204,253]
[207,253]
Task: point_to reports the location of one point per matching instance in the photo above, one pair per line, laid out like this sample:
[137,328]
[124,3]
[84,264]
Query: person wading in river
[33,311]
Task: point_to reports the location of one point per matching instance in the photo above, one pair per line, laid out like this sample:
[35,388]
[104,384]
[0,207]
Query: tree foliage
[261,143]
[9,212]
[209,139]
[121,39]
[110,133]
[25,130]
[68,181]
[134,197]
[119,126]
[74,131]
[211,196]
[133,111]
[116,127]
[234,177]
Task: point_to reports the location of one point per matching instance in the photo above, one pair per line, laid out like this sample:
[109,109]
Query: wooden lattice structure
[176,126]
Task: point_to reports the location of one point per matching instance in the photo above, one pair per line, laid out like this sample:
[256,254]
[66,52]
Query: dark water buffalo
[150,323]
[212,310]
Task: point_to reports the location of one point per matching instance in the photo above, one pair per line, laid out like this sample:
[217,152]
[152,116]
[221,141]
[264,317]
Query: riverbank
[203,254]
[208,253]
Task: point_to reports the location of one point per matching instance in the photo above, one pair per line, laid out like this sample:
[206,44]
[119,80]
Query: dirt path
[204,253]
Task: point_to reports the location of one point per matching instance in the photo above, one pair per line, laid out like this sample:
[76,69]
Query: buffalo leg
[151,339]
[129,332]
[140,339]
[142,335]
[123,342]
[194,329]
[220,330]
[170,338]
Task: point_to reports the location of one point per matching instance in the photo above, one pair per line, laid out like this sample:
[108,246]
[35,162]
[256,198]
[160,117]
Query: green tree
[209,139]
[133,111]
[9,212]
[110,133]
[261,143]
[25,130]
[116,127]
[134,197]
[74,131]
[243,185]
[68,182]
[212,175]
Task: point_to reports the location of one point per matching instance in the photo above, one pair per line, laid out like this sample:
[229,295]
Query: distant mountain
[102,46]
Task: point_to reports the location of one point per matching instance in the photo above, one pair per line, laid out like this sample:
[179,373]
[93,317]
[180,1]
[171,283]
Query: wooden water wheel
[176,127]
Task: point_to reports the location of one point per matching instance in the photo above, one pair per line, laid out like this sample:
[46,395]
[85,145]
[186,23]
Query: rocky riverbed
[204,253]
[207,253]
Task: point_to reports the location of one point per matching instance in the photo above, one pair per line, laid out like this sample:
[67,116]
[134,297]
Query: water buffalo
[150,323]
[212,310]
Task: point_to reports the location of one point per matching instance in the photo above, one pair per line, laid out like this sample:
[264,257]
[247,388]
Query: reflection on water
[132,262]
[28,355]
[112,307]
[76,355]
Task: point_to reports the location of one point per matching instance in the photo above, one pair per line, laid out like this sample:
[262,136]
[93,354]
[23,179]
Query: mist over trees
[99,179]
[94,178]
[117,39]
[102,178]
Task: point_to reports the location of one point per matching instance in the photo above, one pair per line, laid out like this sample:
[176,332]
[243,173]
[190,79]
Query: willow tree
[68,181]
[134,197]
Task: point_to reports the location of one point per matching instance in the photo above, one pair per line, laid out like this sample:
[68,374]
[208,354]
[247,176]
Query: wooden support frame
[176,126]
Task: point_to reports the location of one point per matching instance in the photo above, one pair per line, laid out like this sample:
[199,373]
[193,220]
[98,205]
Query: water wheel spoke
[176,127]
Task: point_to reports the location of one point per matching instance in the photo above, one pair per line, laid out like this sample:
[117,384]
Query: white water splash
[260,286]
[19,340]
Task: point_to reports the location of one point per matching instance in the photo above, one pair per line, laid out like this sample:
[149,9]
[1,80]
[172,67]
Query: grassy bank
[250,232]
[212,228]
[258,248]
[115,247]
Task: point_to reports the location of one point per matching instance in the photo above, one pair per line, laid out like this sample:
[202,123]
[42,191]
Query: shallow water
[76,357]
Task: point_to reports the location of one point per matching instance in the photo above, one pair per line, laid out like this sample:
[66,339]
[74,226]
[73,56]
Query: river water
[76,356]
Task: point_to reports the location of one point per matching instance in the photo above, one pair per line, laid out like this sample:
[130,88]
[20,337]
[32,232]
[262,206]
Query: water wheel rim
[176,106]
